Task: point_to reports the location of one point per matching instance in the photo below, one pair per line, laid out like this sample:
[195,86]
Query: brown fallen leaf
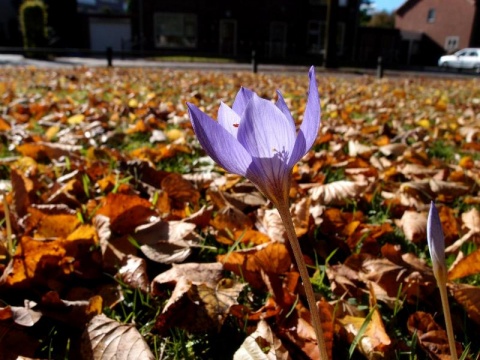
[299,330]
[469,297]
[337,192]
[471,222]
[166,242]
[195,273]
[75,313]
[105,338]
[125,212]
[23,189]
[245,237]
[230,218]
[269,258]
[181,191]
[432,338]
[375,341]
[198,307]
[134,273]
[17,341]
[49,262]
[49,221]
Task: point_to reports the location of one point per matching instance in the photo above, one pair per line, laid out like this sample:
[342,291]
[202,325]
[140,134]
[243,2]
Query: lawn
[121,237]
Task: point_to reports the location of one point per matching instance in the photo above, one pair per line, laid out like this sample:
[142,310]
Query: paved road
[66,62]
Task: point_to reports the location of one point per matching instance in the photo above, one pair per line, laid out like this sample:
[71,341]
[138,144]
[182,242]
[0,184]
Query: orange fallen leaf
[270,258]
[469,265]
[125,212]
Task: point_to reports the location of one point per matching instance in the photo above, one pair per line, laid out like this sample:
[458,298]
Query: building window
[340,37]
[228,37]
[175,30]
[278,39]
[451,43]
[342,3]
[431,15]
[316,36]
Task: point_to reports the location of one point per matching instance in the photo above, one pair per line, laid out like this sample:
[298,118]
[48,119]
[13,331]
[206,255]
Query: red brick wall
[453,18]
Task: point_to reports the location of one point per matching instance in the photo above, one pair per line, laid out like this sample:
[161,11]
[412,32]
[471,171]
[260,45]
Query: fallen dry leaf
[469,297]
[432,338]
[255,343]
[469,265]
[337,193]
[414,226]
[105,338]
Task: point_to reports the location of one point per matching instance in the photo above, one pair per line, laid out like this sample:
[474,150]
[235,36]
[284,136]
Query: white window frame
[451,43]
[431,15]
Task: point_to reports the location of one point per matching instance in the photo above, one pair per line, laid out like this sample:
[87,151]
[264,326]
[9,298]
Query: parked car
[468,58]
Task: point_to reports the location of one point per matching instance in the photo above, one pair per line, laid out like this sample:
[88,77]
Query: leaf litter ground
[120,238]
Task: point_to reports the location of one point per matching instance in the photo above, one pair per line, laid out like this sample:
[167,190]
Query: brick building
[432,28]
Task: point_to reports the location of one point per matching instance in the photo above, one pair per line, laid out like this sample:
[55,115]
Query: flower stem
[441,282]
[8,225]
[302,269]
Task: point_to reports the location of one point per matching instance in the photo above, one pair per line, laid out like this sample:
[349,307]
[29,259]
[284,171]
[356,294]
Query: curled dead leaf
[414,225]
[134,273]
[262,338]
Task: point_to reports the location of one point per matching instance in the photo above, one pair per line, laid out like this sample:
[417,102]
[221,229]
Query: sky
[389,5]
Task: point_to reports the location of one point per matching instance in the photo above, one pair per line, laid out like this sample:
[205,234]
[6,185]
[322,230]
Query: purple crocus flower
[436,242]
[257,139]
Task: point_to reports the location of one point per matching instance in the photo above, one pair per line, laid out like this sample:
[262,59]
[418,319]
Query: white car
[468,58]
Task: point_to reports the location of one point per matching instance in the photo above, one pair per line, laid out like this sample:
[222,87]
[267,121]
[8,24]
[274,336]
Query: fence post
[254,62]
[109,56]
[379,67]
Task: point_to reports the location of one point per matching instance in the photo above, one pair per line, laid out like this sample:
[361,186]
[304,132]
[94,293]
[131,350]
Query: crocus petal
[265,132]
[272,177]
[436,240]
[241,100]
[282,105]
[229,119]
[311,122]
[218,143]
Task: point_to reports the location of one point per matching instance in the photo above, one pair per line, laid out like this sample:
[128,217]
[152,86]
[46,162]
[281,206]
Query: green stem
[442,286]
[302,269]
